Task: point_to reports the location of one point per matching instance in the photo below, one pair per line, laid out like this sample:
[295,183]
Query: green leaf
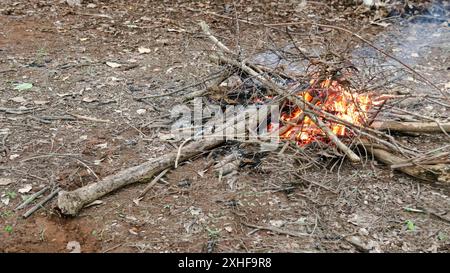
[23,86]
[212,233]
[442,236]
[8,229]
[410,225]
[11,194]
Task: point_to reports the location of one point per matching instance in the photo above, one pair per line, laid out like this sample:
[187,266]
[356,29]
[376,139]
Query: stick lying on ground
[412,127]
[70,203]
[431,173]
[41,203]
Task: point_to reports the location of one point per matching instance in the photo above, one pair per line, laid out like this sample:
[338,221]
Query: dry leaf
[25,189]
[172,68]
[141,111]
[18,99]
[89,100]
[143,50]
[133,231]
[74,3]
[40,102]
[13,156]
[5,200]
[277,223]
[113,65]
[102,145]
[5,181]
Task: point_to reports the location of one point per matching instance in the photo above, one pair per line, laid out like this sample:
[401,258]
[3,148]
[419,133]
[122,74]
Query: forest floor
[63,51]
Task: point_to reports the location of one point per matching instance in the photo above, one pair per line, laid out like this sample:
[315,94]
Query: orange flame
[331,97]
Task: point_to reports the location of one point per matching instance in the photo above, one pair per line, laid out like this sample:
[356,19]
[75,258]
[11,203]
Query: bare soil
[63,51]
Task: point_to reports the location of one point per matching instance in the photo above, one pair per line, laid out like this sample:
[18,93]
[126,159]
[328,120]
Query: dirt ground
[63,51]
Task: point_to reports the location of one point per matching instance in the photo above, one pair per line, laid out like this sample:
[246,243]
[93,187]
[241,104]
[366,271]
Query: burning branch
[300,102]
[318,116]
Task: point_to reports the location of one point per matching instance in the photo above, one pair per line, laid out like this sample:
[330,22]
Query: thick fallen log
[436,173]
[71,202]
[412,127]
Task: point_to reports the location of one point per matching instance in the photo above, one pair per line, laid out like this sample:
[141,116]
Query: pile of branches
[372,138]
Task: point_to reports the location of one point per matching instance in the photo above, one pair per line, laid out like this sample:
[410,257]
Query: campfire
[332,97]
[328,110]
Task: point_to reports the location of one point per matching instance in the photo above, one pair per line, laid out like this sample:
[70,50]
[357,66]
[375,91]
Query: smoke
[419,36]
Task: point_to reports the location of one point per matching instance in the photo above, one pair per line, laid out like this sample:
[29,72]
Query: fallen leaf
[102,145]
[277,223]
[141,111]
[5,200]
[133,231]
[74,246]
[172,68]
[18,99]
[40,102]
[89,100]
[25,189]
[164,136]
[13,156]
[5,181]
[113,65]
[23,86]
[97,161]
[143,50]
